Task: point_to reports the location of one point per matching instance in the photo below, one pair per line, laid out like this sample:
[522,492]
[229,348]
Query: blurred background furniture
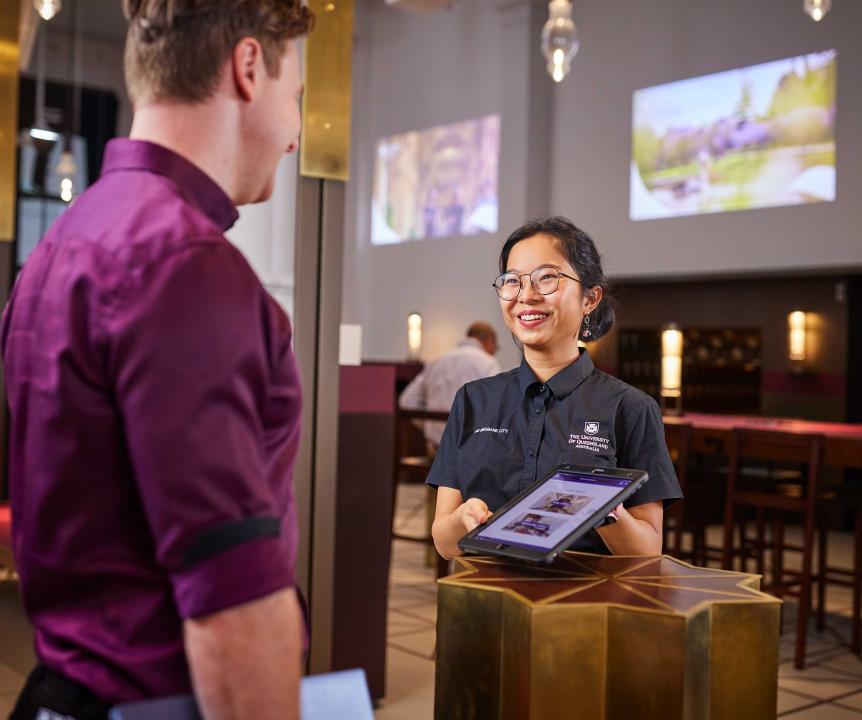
[413,461]
[765,492]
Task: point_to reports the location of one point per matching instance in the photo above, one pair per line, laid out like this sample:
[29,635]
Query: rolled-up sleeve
[189,357]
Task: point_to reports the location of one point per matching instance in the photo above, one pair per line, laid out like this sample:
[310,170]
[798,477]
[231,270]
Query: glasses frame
[532,283]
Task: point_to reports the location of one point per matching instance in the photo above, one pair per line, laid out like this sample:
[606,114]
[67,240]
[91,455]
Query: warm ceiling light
[67,170]
[817,9]
[47,8]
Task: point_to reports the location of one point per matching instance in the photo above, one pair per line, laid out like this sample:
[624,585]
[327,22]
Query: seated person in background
[506,432]
[435,387]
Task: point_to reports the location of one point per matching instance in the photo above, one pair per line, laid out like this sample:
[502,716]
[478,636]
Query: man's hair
[175,48]
[482,331]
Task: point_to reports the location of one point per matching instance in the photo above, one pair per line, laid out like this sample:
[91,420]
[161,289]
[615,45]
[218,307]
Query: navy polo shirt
[508,431]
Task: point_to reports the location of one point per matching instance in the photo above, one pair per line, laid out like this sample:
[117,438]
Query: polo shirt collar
[565,381]
[198,187]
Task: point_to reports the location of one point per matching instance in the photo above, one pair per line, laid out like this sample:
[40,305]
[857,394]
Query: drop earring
[586,333]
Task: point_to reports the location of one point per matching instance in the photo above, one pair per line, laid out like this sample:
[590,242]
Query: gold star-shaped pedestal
[594,636]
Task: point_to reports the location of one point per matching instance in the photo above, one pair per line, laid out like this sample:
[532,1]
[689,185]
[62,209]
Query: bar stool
[677,437]
[691,514]
[762,493]
[842,498]
[415,468]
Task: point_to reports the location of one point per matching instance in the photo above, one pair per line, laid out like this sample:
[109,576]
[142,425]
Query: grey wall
[567,148]
[627,45]
[414,71]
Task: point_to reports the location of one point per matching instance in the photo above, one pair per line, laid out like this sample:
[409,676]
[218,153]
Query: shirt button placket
[535,434]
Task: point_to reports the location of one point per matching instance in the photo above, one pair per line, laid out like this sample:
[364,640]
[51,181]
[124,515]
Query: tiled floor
[830,687]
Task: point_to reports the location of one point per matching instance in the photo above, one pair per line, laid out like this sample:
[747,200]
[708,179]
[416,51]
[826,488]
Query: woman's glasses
[545,280]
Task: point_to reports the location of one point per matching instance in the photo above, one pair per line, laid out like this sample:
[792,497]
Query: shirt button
[538,411]
[532,452]
[542,388]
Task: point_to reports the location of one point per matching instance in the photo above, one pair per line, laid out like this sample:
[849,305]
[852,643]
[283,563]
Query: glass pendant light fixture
[817,9]
[559,39]
[47,8]
[67,170]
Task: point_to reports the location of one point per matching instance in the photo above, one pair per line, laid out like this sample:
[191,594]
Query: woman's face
[548,323]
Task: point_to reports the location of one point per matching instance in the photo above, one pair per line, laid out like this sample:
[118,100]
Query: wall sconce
[414,335]
[671,370]
[797,330]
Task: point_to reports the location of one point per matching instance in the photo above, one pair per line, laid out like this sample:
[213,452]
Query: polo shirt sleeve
[444,469]
[189,360]
[641,446]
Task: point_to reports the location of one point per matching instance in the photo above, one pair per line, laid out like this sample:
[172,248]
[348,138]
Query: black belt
[48,690]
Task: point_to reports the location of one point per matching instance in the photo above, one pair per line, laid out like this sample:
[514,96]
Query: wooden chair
[413,467]
[840,499]
[678,441]
[691,515]
[762,493]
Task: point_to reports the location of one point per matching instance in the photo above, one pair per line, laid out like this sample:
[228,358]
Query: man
[154,396]
[435,387]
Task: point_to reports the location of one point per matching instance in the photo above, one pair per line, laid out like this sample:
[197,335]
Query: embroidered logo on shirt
[590,439]
[501,431]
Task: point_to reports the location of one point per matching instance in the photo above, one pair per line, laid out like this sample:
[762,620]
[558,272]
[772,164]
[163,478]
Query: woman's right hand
[453,519]
[472,513]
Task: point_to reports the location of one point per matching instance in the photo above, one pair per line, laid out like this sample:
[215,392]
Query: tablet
[549,516]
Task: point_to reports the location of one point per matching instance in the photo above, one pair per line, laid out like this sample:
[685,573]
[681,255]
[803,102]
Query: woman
[508,431]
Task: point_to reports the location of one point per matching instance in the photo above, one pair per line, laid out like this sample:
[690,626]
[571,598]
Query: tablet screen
[553,510]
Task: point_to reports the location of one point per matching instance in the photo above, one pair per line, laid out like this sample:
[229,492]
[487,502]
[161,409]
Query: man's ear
[247,65]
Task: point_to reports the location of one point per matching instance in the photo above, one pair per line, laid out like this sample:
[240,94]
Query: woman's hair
[175,48]
[580,250]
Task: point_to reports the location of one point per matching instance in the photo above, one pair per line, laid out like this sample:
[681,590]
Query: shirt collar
[565,381]
[198,187]
[470,342]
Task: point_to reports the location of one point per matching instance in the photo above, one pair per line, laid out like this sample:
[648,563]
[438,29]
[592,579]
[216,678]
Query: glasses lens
[508,286]
[545,280]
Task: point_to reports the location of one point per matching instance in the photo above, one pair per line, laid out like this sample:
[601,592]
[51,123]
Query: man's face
[275,124]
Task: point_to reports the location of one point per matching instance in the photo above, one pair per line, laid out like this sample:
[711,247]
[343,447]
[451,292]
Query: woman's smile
[532,318]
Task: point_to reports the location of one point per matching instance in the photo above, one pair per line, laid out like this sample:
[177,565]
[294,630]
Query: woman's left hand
[636,531]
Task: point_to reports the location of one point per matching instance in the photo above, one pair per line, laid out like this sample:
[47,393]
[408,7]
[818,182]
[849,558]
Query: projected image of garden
[755,137]
[437,182]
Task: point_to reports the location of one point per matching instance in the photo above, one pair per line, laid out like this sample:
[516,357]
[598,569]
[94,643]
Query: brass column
[9,53]
[323,158]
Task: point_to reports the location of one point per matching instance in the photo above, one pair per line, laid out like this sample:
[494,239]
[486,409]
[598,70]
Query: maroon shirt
[155,420]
